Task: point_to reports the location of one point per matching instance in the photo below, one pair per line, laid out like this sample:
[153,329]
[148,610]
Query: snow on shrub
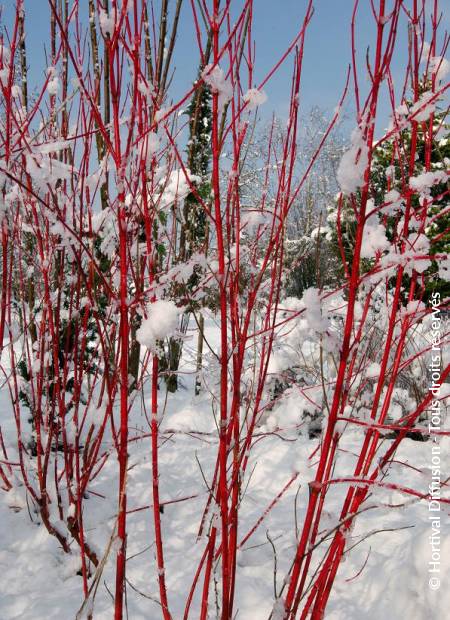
[161,322]
[254,98]
[374,240]
[176,186]
[53,83]
[444,268]
[107,22]
[350,173]
[215,78]
[440,66]
[313,311]
[423,182]
[149,146]
[424,107]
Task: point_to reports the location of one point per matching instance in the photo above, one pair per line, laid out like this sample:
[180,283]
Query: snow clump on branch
[161,322]
[216,80]
[53,82]
[107,23]
[422,182]
[350,173]
[313,311]
[254,98]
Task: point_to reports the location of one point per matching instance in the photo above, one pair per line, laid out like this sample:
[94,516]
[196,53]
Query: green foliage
[386,158]
[391,171]
[194,230]
[311,263]
[199,158]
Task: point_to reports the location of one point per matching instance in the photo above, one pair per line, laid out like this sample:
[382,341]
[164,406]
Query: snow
[251,220]
[423,182]
[161,114]
[393,202]
[53,147]
[309,344]
[402,110]
[53,84]
[424,107]
[373,370]
[149,146]
[40,581]
[107,22]
[396,561]
[145,89]
[419,243]
[215,78]
[160,323]
[176,186]
[5,54]
[313,311]
[440,66]
[45,170]
[254,98]
[15,500]
[354,162]
[278,611]
[4,76]
[444,268]
[374,240]
[425,52]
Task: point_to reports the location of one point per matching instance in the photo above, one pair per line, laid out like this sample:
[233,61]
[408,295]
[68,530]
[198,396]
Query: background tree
[193,236]
[390,169]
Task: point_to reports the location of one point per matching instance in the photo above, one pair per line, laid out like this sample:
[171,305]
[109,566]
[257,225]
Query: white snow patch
[254,98]
[354,162]
[161,322]
[215,78]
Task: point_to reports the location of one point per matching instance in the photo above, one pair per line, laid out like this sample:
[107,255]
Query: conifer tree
[390,173]
[194,229]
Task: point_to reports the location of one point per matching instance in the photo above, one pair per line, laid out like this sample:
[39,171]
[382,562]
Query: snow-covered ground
[40,581]
[386,569]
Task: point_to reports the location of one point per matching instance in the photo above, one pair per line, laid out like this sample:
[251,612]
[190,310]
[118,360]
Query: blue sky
[327,51]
